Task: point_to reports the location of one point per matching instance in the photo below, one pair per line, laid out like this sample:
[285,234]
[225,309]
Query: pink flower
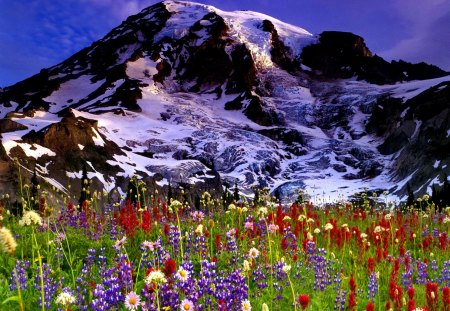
[132,301]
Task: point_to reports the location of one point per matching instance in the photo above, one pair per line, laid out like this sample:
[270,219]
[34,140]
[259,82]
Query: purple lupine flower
[187,285]
[310,248]
[208,273]
[124,272]
[422,273]
[337,280]
[174,239]
[322,277]
[50,284]
[435,233]
[232,290]
[200,244]
[407,279]
[339,301]
[289,239]
[372,290]
[113,232]
[231,240]
[113,289]
[434,266]
[83,280]
[169,297]
[425,231]
[101,262]
[260,278]
[444,275]
[19,275]
[99,302]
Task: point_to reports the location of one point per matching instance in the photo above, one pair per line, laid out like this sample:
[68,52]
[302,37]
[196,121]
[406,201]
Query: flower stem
[41,273]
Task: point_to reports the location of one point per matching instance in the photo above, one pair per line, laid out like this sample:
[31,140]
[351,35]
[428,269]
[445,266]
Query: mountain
[187,94]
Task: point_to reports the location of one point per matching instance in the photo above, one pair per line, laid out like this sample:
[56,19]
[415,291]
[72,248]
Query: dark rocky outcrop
[280,53]
[254,108]
[286,135]
[344,55]
[417,131]
[7,125]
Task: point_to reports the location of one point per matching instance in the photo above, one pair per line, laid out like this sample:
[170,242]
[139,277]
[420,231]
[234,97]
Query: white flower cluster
[31,218]
[65,299]
[155,277]
[176,204]
[328,226]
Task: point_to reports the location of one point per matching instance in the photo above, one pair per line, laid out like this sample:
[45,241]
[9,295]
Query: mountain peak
[187,93]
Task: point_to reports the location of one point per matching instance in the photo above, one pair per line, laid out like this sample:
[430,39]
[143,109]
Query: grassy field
[242,256]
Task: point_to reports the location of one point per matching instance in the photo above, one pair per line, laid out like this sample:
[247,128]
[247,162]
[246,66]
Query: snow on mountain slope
[188,94]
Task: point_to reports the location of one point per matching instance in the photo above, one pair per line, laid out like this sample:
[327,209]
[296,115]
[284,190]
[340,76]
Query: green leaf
[12,298]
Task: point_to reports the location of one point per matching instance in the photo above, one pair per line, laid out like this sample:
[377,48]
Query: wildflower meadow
[261,255]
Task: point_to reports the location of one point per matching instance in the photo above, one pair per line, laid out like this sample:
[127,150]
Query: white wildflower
[30,218]
[65,299]
[155,277]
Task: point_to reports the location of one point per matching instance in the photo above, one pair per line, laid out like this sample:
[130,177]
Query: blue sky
[36,34]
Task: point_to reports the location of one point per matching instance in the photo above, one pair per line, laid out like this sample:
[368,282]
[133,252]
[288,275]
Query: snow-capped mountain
[189,94]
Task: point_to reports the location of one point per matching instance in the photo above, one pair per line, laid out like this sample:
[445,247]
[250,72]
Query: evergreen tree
[227,198]
[34,191]
[256,196]
[197,202]
[434,195]
[169,193]
[85,188]
[410,200]
[445,193]
[236,195]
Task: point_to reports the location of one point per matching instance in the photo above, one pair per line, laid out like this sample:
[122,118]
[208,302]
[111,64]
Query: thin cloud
[428,37]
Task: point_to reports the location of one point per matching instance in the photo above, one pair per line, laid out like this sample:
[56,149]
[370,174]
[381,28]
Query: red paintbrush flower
[370,306]
[304,301]
[352,284]
[351,301]
[431,290]
[411,292]
[411,305]
[370,265]
[169,267]
[446,298]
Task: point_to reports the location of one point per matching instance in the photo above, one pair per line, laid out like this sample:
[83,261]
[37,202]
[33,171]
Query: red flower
[352,284]
[411,292]
[169,267]
[304,301]
[446,298]
[351,301]
[411,305]
[395,293]
[370,306]
[146,223]
[431,295]
[370,265]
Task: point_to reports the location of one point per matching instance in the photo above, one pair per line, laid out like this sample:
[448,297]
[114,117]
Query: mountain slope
[189,94]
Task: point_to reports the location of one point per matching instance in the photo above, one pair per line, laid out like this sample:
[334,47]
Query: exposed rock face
[7,125]
[187,94]
[281,54]
[417,133]
[344,55]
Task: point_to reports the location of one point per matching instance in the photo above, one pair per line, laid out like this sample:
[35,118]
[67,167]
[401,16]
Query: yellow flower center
[183,274]
[132,301]
[186,306]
